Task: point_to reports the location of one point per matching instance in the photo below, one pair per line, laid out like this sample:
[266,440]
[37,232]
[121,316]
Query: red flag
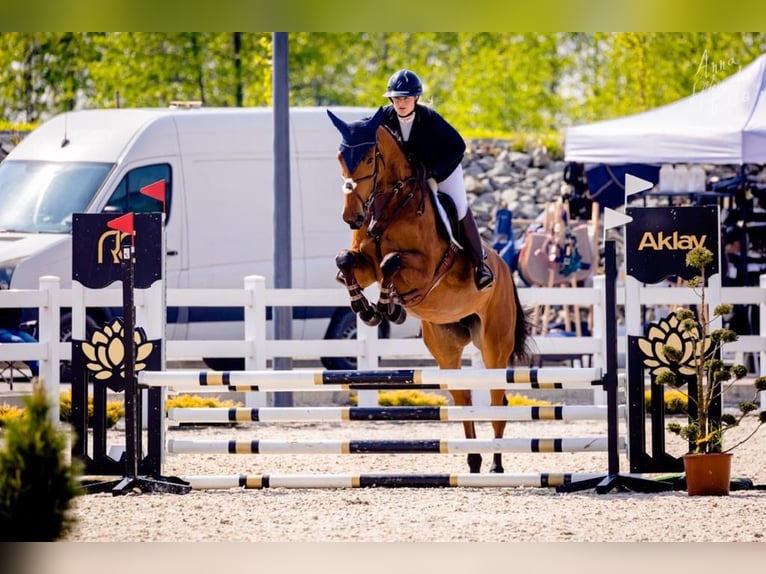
[156,191]
[123,223]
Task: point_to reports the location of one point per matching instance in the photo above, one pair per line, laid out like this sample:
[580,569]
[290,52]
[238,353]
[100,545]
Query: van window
[127,195]
[41,196]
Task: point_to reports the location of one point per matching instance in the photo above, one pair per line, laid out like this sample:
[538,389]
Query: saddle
[447,223]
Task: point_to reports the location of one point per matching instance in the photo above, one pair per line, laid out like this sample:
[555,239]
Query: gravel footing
[420,515]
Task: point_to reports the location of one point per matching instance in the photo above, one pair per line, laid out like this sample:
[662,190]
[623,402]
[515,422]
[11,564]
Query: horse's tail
[522,330]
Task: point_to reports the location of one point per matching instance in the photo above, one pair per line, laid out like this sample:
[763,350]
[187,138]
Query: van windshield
[40,197]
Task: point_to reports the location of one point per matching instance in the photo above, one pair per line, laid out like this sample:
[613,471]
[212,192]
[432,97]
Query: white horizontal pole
[259,481]
[380,446]
[340,414]
[522,378]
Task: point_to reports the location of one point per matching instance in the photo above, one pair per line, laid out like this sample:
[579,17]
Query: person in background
[429,139]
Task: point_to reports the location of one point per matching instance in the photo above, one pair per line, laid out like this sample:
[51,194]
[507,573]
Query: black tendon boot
[483,275]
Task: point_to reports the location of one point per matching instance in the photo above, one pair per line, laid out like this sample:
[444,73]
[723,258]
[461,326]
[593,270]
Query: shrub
[36,483]
[421,399]
[676,402]
[408,398]
[115,410]
[196,401]
[9,413]
[517,400]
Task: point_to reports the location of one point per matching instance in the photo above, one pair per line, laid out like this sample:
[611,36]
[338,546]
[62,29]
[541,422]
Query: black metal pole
[132,482]
[613,479]
[610,377]
[283,316]
[132,408]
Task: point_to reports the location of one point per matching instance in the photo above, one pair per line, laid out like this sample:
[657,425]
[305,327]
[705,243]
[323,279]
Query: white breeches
[454,186]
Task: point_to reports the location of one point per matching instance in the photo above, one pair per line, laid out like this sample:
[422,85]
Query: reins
[379,224]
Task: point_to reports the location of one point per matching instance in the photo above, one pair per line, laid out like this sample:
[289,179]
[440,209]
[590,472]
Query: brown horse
[396,242]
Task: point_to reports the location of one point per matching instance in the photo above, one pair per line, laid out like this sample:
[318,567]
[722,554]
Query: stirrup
[483,277]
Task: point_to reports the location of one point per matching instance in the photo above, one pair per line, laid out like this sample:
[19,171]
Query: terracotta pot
[708,474]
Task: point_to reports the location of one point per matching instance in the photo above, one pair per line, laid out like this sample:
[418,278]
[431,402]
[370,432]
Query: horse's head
[359,160]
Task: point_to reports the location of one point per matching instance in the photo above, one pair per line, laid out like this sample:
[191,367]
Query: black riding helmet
[403,83]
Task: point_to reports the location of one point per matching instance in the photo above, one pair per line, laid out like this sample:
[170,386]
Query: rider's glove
[432,185]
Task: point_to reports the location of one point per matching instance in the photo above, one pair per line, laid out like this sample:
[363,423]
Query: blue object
[504,242]
[19,336]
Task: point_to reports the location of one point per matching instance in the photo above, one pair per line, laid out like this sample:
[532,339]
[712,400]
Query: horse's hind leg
[463,399]
[497,397]
[446,344]
[497,343]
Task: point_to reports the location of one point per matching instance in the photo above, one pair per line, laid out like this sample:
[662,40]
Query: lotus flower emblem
[670,332]
[105,352]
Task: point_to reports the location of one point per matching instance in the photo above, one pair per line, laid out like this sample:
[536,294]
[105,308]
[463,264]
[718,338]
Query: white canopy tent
[724,124]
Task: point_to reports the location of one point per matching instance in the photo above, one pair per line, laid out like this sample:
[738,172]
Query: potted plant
[692,354]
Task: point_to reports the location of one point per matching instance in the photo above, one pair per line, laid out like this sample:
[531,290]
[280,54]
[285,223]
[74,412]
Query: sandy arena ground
[425,515]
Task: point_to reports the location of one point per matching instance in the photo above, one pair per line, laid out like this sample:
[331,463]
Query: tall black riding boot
[483,275]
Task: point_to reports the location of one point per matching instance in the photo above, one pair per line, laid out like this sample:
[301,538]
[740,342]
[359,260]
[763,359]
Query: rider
[429,139]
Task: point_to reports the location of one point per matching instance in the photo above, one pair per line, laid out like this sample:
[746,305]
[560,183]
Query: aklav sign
[658,239]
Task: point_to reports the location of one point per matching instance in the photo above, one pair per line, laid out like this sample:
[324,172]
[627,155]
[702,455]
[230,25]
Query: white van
[218,165]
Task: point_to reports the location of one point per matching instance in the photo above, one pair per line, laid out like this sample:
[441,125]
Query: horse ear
[341,126]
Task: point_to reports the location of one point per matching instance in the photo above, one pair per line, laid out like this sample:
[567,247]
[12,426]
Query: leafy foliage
[36,483]
[8,413]
[519,400]
[413,398]
[197,401]
[676,402]
[497,82]
[115,410]
[708,376]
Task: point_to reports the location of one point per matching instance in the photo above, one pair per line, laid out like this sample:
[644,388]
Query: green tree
[138,69]
[617,74]
[485,83]
[43,73]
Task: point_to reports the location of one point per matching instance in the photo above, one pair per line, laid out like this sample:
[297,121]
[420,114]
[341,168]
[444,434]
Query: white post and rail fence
[257,350]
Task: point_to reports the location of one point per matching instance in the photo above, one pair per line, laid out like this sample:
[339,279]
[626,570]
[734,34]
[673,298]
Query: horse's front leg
[387,305]
[348,262]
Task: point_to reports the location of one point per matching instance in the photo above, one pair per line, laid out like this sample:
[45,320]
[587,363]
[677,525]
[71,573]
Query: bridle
[371,219]
[350,184]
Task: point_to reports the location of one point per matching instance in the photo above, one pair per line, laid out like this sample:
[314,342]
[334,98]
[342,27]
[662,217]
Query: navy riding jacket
[433,141]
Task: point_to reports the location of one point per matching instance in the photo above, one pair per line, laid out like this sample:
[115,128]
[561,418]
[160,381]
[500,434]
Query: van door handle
[173,252]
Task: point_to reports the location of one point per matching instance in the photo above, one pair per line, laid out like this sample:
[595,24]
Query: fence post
[49,334]
[255,334]
[599,284]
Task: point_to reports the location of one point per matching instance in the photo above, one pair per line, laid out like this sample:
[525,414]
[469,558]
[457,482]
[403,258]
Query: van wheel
[91,326]
[343,326]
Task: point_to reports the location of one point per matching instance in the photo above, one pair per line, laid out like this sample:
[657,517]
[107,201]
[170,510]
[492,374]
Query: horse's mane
[417,168]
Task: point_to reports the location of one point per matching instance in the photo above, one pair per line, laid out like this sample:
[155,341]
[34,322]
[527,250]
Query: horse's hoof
[398,315]
[370,317]
[497,469]
[474,463]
